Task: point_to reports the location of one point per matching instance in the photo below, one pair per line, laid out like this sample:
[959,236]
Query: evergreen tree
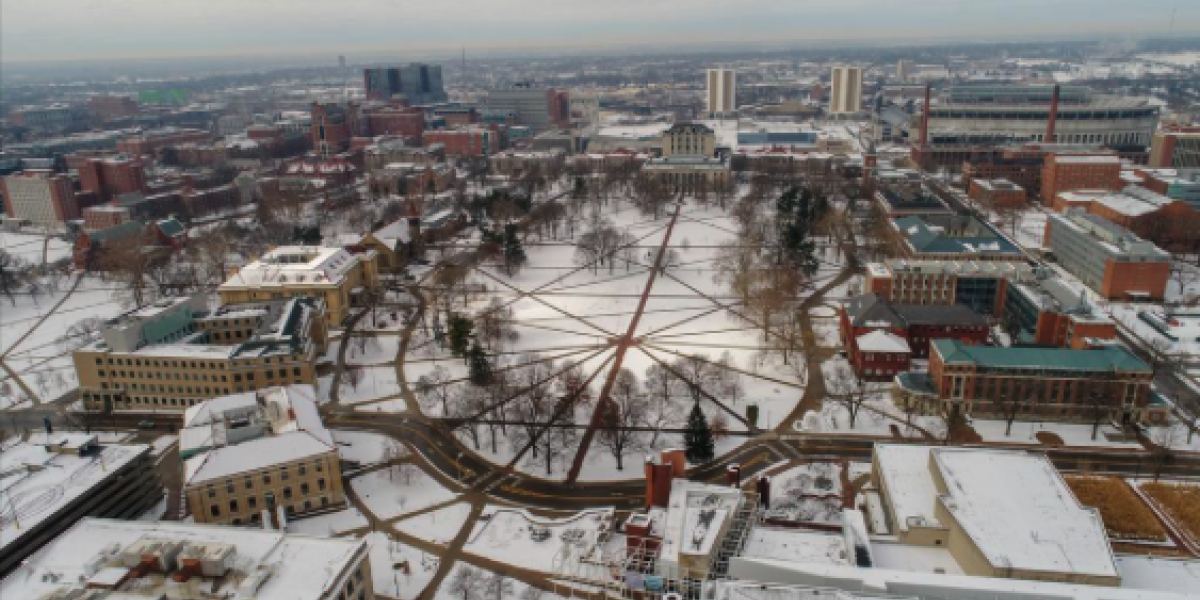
[514,253]
[698,438]
[480,369]
[459,331]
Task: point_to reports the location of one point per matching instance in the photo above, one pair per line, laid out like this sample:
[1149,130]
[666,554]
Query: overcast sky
[101,29]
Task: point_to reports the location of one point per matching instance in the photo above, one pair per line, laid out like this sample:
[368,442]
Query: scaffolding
[613,568]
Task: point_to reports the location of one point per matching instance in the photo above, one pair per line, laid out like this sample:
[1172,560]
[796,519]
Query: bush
[1181,500]
[1125,516]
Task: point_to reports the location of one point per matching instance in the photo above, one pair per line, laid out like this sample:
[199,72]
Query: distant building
[170,355]
[537,107]
[149,143]
[1070,172]
[335,276]
[1110,259]
[332,127]
[112,107]
[110,176]
[1047,311]
[41,197]
[721,94]
[1175,148]
[845,94]
[255,453]
[52,118]
[52,480]
[992,114]
[417,83]
[689,160]
[470,141]
[127,560]
[394,120]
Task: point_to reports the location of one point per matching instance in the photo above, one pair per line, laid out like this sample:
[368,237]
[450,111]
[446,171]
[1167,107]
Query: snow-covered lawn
[1072,434]
[507,535]
[438,526]
[373,383]
[397,570]
[360,446]
[387,494]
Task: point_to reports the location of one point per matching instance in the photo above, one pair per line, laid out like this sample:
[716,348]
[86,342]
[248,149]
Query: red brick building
[333,126]
[112,107]
[397,120]
[862,318]
[111,176]
[149,143]
[104,216]
[997,193]
[465,142]
[1068,172]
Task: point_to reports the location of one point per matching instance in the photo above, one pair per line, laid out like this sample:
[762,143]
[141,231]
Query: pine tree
[480,369]
[698,438]
[514,253]
[459,332]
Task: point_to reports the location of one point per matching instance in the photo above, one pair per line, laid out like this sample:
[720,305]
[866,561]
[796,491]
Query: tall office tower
[846,90]
[419,83]
[904,69]
[722,85]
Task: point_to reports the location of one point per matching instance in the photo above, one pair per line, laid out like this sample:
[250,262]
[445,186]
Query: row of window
[252,501]
[180,364]
[176,376]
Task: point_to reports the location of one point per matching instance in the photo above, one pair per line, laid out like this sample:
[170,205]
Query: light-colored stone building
[334,275]
[175,353]
[258,453]
[689,161]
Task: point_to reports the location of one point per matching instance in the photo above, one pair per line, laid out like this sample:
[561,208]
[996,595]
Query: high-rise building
[40,197]
[537,107]
[846,89]
[418,83]
[722,92]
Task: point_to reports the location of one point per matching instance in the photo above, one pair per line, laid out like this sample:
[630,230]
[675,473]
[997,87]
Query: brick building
[1068,172]
[1048,311]
[112,107]
[997,193]
[40,197]
[861,319]
[980,285]
[1110,259]
[475,141]
[1052,383]
[395,120]
[149,143]
[333,126]
[111,176]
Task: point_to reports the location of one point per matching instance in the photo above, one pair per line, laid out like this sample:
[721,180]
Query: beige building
[333,275]
[845,94]
[721,97]
[173,354]
[259,454]
[689,161]
[998,513]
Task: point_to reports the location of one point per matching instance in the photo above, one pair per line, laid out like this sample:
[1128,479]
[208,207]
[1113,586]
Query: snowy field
[510,535]
[559,317]
[388,494]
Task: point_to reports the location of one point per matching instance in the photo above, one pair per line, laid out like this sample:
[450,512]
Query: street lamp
[458,466]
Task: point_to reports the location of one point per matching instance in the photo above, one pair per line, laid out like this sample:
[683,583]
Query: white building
[845,94]
[135,560]
[721,98]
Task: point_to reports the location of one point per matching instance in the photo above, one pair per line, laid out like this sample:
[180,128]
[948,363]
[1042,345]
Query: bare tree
[433,389]
[662,387]
[847,390]
[624,411]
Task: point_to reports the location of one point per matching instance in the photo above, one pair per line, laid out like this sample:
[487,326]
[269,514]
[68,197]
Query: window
[252,501]
[212,492]
[215,510]
[266,479]
[304,489]
[233,506]
[287,493]
[321,484]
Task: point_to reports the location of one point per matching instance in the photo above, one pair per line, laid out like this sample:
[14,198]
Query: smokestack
[1049,137]
[925,118]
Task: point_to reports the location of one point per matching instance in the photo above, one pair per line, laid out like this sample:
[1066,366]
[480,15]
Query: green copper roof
[1106,358]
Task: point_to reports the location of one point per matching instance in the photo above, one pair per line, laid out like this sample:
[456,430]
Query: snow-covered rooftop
[295,266]
[35,483]
[266,565]
[251,431]
[698,515]
[883,341]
